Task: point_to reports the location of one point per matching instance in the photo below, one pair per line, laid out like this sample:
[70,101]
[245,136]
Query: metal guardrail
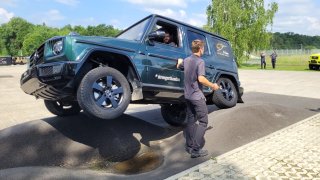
[288,52]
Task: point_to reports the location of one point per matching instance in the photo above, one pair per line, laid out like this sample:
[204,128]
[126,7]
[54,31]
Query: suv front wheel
[174,114]
[227,96]
[104,93]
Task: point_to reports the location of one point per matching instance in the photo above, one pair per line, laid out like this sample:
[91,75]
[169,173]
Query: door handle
[142,53]
[211,66]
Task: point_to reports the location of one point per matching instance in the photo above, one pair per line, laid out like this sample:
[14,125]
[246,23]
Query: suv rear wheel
[227,96]
[62,108]
[174,114]
[104,93]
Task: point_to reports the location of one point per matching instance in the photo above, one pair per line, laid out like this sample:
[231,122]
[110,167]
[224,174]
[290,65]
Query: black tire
[174,114]
[104,93]
[311,67]
[227,96]
[62,108]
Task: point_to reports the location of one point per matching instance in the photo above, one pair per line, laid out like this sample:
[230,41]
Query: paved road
[77,142]
[290,153]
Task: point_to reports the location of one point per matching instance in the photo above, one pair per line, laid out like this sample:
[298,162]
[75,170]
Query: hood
[108,42]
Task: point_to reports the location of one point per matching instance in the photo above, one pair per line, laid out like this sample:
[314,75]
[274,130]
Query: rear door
[223,55]
[207,56]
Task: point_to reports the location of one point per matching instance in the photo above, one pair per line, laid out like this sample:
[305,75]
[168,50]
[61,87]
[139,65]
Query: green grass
[286,63]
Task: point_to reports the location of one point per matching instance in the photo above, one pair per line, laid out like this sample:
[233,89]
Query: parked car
[314,62]
[19,60]
[102,75]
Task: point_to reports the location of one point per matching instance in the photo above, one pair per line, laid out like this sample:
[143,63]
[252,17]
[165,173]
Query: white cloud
[54,15]
[298,16]
[68,2]
[160,3]
[50,18]
[5,16]
[175,9]
[181,15]
[9,2]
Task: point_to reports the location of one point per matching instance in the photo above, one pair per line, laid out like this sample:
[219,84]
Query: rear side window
[193,36]
[222,49]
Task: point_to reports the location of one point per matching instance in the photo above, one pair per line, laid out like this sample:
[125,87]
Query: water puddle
[143,162]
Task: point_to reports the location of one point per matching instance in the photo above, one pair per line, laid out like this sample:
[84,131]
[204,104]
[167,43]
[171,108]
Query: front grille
[313,61]
[51,42]
[37,57]
[314,57]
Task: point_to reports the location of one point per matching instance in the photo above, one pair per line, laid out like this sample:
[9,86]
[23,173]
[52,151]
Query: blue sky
[299,16]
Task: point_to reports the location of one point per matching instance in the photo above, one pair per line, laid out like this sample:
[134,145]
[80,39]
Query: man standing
[273,59]
[263,60]
[194,79]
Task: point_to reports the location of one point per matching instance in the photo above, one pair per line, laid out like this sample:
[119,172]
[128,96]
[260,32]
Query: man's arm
[204,81]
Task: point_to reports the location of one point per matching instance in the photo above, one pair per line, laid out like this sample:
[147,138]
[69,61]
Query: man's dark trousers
[196,111]
[273,63]
[263,64]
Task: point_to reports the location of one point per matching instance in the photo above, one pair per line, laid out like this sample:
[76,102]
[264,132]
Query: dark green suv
[102,75]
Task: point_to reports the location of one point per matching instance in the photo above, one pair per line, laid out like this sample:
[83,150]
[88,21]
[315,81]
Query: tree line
[18,37]
[291,40]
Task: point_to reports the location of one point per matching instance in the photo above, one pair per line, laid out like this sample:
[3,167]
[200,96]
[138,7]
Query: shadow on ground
[78,141]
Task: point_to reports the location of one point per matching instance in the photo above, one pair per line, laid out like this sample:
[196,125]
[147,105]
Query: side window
[193,36]
[222,49]
[171,33]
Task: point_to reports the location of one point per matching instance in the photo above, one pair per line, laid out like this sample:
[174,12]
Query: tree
[38,36]
[243,22]
[102,30]
[13,34]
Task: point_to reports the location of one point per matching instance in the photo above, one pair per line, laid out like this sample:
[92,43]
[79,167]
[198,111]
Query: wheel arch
[115,59]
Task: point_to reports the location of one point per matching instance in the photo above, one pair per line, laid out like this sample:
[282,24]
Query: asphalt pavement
[37,145]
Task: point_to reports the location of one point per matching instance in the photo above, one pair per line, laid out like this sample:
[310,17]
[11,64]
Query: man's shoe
[199,153]
[189,149]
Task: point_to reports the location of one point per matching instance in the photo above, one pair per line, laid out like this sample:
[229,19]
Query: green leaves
[13,34]
[243,22]
[19,37]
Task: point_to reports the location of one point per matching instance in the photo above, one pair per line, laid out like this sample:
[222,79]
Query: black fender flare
[89,52]
[134,77]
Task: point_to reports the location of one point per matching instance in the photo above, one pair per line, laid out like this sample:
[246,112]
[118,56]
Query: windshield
[135,33]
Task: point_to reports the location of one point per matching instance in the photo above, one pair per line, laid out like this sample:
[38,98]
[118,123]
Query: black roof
[188,25]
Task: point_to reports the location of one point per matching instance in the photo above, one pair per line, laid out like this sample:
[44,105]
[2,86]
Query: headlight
[57,47]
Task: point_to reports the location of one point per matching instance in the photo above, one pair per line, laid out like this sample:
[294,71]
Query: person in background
[263,60]
[274,59]
[194,78]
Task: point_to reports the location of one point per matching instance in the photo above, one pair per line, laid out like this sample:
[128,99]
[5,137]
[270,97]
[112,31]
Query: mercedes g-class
[102,75]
